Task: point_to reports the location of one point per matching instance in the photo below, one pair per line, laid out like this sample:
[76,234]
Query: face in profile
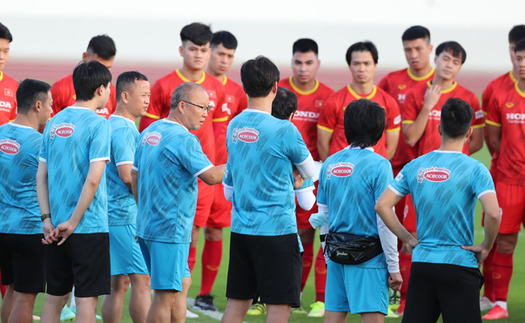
[196,109]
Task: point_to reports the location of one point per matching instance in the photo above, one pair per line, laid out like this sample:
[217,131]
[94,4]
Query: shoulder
[392,76]
[63,81]
[325,89]
[212,84]
[10,81]
[285,83]
[166,80]
[386,97]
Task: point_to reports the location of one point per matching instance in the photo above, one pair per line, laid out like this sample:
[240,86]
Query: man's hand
[409,246]
[480,252]
[395,281]
[432,96]
[64,230]
[298,179]
[48,229]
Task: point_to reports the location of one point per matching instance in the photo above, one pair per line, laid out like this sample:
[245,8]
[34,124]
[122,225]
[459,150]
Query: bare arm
[475,142]
[213,175]
[392,138]
[494,135]
[487,141]
[42,193]
[124,172]
[135,185]
[323,143]
[414,131]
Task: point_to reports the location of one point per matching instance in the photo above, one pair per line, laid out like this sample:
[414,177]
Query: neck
[122,111]
[91,104]
[176,117]
[516,73]
[521,84]
[219,77]
[192,75]
[422,71]
[444,84]
[452,145]
[363,88]
[261,104]
[304,87]
[27,120]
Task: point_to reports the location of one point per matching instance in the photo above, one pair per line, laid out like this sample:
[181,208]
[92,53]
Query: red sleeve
[220,115]
[410,108]
[12,115]
[328,115]
[494,115]
[478,121]
[243,103]
[393,119]
[113,99]
[57,93]
[383,84]
[485,97]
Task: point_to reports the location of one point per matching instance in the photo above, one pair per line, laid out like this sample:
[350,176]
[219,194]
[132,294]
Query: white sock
[502,304]
[73,303]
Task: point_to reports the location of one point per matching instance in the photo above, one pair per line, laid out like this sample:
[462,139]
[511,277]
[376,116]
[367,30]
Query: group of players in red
[412,98]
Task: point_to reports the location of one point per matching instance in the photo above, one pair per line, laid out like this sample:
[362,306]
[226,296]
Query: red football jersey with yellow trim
[431,140]
[507,110]
[331,118]
[397,84]
[64,96]
[309,106]
[237,101]
[159,108]
[8,87]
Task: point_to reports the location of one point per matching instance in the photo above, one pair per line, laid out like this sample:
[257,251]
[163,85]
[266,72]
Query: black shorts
[450,290]
[22,261]
[271,265]
[83,261]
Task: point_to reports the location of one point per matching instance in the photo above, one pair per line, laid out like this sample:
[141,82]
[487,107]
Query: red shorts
[511,200]
[302,215]
[409,214]
[204,202]
[221,209]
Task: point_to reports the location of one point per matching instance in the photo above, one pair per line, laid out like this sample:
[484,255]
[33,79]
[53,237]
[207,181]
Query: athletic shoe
[205,303]
[497,312]
[485,304]
[401,309]
[67,314]
[391,313]
[74,310]
[298,310]
[191,315]
[317,309]
[36,318]
[257,309]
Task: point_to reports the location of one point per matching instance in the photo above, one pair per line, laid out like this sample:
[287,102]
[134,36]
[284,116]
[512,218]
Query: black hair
[258,76]
[5,33]
[454,48]
[225,38]
[516,34]
[103,46]
[520,46]
[364,122]
[366,46]
[416,32]
[305,45]
[29,91]
[284,104]
[126,79]
[88,77]
[456,118]
[197,33]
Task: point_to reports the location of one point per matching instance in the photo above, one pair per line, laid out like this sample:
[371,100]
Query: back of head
[366,46]
[5,33]
[416,32]
[305,45]
[364,123]
[127,80]
[520,46]
[456,118]
[197,33]
[258,76]
[183,92]
[284,104]
[516,34]
[103,46]
[225,38]
[29,91]
[453,48]
[88,77]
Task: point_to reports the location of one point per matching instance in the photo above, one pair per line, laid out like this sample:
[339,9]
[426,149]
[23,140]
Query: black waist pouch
[349,249]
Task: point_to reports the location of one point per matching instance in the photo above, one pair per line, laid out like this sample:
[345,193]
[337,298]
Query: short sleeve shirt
[8,105]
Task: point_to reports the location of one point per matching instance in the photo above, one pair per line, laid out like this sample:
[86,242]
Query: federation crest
[10,147]
[401,86]
[509,105]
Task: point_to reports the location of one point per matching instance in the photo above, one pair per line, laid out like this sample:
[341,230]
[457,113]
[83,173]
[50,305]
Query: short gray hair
[183,93]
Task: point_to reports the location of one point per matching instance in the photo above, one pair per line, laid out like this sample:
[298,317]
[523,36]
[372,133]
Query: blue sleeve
[482,181]
[383,178]
[227,179]
[99,147]
[400,183]
[295,148]
[321,192]
[43,147]
[189,153]
[123,145]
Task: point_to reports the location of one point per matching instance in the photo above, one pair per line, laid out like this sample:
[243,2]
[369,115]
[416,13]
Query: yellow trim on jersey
[450,89]
[512,77]
[520,92]
[357,96]
[296,89]
[1,76]
[492,123]
[393,130]
[407,122]
[182,77]
[152,116]
[424,77]
[485,113]
[325,129]
[478,126]
[11,120]
[220,119]
[224,80]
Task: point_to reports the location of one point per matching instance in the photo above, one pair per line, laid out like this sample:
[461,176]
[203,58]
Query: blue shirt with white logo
[73,139]
[168,160]
[261,150]
[19,210]
[444,186]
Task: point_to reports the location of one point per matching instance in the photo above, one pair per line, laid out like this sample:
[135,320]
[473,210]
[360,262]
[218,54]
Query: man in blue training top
[22,253]
[167,163]
[127,262]
[444,185]
[264,249]
[72,195]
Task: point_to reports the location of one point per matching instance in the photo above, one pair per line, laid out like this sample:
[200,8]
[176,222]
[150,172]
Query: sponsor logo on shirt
[245,134]
[10,147]
[8,92]
[516,117]
[6,105]
[306,116]
[478,114]
[399,176]
[509,105]
[102,111]
[340,170]
[401,98]
[397,120]
[63,130]
[151,138]
[433,174]
[435,114]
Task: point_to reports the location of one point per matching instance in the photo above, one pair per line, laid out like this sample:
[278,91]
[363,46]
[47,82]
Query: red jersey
[8,87]
[237,101]
[309,106]
[331,118]
[507,110]
[397,84]
[64,96]
[159,107]
[431,140]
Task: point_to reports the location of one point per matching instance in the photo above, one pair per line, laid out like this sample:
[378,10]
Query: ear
[439,130]
[38,106]
[431,47]
[318,63]
[470,131]
[100,90]
[181,51]
[291,116]
[275,88]
[124,96]
[435,59]
[84,56]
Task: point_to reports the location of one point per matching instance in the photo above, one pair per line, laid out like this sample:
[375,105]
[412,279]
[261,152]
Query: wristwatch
[45,216]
